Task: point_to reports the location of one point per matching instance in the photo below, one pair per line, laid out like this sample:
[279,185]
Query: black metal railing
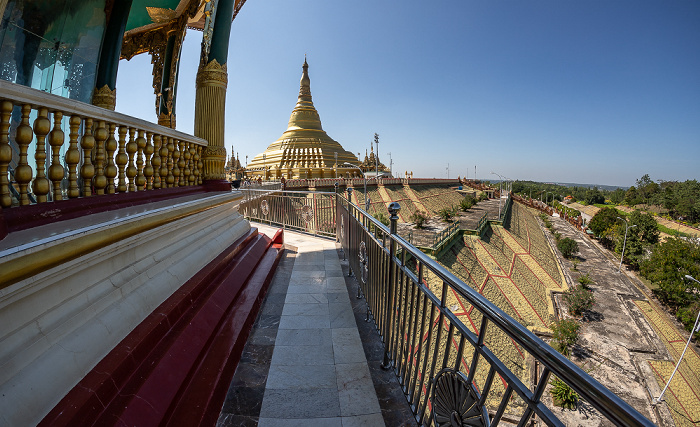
[455,367]
[307,211]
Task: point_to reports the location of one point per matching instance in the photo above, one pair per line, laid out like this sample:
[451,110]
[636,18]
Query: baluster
[182,163]
[122,159]
[156,161]
[56,171]
[87,171]
[23,172]
[176,163]
[100,181]
[148,170]
[111,167]
[200,164]
[73,157]
[42,126]
[5,153]
[193,164]
[164,162]
[131,148]
[140,177]
[171,149]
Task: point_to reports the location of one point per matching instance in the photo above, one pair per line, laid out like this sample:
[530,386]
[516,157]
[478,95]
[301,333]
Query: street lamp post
[500,192]
[365,178]
[391,164]
[696,328]
[264,169]
[376,158]
[624,243]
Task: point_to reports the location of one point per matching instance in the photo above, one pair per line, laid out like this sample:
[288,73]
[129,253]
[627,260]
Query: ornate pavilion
[128,278]
[304,150]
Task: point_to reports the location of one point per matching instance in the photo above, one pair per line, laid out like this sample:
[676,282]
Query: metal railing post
[349,190]
[394,209]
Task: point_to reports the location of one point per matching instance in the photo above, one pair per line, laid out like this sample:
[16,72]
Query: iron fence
[307,211]
[455,371]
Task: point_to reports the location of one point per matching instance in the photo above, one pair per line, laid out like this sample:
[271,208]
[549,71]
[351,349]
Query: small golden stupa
[304,150]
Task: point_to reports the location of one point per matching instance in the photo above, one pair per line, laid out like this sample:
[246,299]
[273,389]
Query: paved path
[304,363]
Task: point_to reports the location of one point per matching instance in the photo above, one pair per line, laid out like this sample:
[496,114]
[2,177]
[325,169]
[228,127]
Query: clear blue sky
[598,92]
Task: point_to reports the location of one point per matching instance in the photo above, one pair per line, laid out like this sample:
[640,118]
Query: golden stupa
[304,150]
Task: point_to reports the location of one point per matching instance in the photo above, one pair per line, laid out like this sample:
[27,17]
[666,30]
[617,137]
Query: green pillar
[210,98]
[106,74]
[166,105]
[222,32]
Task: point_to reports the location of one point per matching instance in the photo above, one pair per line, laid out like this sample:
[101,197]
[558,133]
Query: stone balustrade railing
[103,152]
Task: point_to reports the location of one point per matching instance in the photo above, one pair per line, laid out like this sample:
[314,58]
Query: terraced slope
[398,194]
[517,271]
[681,396]
[436,197]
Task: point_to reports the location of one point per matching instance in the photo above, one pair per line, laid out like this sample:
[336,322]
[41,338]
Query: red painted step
[175,367]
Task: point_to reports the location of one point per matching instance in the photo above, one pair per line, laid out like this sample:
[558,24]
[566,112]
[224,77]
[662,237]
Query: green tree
[617,196]
[603,221]
[667,266]
[632,197]
[647,229]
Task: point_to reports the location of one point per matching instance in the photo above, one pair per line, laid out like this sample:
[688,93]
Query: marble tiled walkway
[305,363]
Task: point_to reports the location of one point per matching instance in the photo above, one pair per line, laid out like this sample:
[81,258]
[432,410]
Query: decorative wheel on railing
[456,402]
[342,226]
[265,207]
[307,213]
[255,211]
[363,262]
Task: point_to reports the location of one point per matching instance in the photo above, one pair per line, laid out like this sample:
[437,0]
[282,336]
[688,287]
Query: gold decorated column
[210,98]
[209,117]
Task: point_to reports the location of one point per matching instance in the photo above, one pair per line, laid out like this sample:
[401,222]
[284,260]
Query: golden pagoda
[304,150]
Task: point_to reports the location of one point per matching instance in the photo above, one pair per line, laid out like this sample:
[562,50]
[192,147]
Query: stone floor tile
[311,337]
[307,288]
[336,284]
[307,298]
[341,315]
[335,273]
[352,374]
[300,403]
[300,422]
[358,400]
[234,420]
[302,355]
[304,309]
[368,420]
[346,336]
[244,401]
[301,376]
[338,297]
[305,322]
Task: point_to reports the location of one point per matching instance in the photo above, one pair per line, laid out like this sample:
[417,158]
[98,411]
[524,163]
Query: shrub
[563,395]
[565,335]
[567,246]
[557,236]
[447,213]
[575,263]
[585,280]
[419,218]
[466,203]
[579,299]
